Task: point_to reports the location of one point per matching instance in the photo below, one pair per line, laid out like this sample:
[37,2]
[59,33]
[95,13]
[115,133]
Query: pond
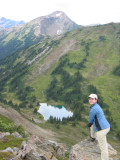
[59,112]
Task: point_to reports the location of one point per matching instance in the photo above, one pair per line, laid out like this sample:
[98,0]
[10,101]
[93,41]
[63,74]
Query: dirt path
[27,125]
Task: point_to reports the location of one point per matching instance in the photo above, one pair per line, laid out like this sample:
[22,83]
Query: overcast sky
[83,12]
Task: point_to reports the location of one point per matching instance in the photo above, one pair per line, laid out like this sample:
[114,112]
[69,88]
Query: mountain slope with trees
[65,71]
[22,36]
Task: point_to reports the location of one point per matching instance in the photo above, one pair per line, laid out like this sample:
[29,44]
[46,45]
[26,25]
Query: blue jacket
[97,118]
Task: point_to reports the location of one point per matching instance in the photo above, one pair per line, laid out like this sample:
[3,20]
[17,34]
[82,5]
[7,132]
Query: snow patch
[58,14]
[59,32]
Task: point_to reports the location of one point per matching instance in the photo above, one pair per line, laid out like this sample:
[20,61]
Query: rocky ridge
[38,148]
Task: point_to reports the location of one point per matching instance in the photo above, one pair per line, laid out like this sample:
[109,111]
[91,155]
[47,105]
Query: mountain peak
[7,23]
[3,18]
[57,14]
[53,24]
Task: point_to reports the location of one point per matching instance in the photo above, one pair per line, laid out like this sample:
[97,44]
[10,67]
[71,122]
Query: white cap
[93,96]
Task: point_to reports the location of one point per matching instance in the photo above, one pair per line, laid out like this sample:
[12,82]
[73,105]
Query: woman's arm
[92,116]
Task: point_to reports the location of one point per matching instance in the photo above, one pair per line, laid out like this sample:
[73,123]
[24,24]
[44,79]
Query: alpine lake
[58,112]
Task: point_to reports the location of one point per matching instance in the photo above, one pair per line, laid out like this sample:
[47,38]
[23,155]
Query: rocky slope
[38,148]
[54,24]
[35,148]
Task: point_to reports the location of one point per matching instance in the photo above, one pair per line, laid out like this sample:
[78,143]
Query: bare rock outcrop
[38,149]
[34,148]
[87,150]
[17,135]
[3,134]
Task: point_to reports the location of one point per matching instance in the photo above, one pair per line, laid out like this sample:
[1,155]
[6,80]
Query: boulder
[8,150]
[38,148]
[3,134]
[15,150]
[24,143]
[17,135]
[87,150]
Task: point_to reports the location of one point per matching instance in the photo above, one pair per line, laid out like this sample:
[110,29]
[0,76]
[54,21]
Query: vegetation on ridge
[6,125]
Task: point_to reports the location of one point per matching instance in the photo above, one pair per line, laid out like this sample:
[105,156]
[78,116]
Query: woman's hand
[90,124]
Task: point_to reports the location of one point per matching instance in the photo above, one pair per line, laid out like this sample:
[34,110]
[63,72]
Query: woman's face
[92,101]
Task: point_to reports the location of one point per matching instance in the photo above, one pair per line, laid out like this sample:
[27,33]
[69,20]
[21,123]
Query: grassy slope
[103,58]
[6,125]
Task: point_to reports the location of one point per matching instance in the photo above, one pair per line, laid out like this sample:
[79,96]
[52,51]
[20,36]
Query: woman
[99,126]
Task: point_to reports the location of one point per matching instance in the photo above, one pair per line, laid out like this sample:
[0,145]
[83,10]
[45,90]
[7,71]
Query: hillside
[22,36]
[65,70]
[27,125]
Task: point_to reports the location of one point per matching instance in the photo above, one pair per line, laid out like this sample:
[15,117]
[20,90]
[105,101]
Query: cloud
[83,12]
